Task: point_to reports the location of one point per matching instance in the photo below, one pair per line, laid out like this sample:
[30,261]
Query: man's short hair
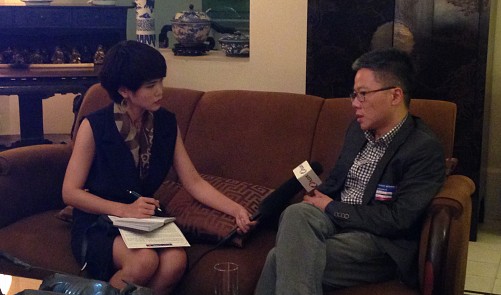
[392,67]
[130,64]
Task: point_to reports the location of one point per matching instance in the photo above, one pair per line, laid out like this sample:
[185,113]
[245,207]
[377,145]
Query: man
[362,225]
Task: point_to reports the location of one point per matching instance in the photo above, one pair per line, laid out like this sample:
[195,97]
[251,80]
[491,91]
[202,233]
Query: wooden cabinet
[68,24]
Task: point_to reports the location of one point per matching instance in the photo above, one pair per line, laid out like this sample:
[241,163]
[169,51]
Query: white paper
[144,224]
[168,235]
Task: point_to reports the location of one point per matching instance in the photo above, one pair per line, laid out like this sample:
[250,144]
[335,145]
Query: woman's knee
[173,264]
[176,258]
[141,266]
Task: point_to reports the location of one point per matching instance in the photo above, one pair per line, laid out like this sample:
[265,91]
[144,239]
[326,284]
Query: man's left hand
[318,200]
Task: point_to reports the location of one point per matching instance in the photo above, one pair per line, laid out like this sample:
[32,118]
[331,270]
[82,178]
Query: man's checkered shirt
[365,164]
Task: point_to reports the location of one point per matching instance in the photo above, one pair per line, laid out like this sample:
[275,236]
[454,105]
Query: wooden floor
[9,141]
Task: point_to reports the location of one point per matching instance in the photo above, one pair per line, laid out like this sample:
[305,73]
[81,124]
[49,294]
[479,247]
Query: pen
[137,195]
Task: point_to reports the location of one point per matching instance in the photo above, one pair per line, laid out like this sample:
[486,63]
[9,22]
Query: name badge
[385,192]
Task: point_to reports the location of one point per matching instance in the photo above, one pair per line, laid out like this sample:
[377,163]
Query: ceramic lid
[236,37]
[191,16]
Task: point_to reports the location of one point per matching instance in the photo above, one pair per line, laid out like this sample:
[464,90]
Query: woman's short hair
[130,64]
[391,66]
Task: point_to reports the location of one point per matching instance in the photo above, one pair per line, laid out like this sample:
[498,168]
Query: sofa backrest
[333,120]
[440,116]
[337,113]
[252,136]
[177,100]
[94,99]
[252,147]
[260,137]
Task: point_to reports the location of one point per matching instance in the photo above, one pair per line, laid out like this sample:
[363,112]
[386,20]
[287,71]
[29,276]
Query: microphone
[307,177]
[273,205]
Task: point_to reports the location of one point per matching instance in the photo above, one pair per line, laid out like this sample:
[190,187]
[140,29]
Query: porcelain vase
[145,22]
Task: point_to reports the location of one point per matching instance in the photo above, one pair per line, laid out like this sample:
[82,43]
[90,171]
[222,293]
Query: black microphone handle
[317,167]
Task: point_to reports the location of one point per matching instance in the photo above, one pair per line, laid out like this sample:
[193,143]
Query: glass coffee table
[11,285]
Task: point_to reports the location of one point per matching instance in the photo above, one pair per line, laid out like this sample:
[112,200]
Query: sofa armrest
[447,223]
[31,180]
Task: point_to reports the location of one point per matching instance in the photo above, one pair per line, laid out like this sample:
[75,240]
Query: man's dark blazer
[414,167]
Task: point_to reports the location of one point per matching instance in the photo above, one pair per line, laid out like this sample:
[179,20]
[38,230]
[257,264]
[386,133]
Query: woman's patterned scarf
[138,141]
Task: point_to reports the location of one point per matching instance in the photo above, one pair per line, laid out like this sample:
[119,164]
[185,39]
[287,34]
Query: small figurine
[36,57]
[58,56]
[18,58]
[7,55]
[75,56]
[45,56]
[99,55]
[86,55]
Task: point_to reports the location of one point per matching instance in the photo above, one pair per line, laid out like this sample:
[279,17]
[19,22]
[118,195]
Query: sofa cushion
[203,224]
[41,241]
[199,277]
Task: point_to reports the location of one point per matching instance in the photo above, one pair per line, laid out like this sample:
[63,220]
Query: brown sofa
[247,136]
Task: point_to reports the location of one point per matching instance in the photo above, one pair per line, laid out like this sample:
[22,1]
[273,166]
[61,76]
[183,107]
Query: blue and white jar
[191,28]
[145,22]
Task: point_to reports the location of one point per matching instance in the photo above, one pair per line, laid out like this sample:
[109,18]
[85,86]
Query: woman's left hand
[242,219]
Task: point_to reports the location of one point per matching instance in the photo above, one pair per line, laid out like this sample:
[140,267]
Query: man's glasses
[360,95]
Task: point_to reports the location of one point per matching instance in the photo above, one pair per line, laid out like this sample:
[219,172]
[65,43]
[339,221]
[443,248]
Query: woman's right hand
[143,207]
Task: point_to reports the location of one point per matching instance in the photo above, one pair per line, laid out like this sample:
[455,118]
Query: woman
[131,145]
